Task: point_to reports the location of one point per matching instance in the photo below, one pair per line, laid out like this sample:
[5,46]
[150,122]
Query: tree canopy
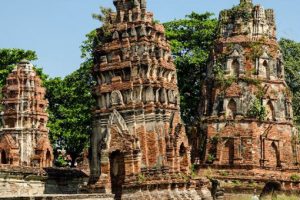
[291,54]
[9,58]
[70,104]
[191,40]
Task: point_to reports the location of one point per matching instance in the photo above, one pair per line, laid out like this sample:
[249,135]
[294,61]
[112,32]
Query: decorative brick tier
[24,137]
[138,134]
[64,197]
[28,181]
[246,110]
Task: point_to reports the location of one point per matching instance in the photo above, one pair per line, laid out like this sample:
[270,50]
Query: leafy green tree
[71,100]
[70,103]
[97,36]
[291,55]
[191,40]
[9,58]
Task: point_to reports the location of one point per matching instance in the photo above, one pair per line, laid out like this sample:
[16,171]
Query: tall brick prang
[138,134]
[247,112]
[24,137]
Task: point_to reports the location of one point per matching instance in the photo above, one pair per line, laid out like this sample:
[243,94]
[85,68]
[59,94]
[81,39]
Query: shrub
[295,177]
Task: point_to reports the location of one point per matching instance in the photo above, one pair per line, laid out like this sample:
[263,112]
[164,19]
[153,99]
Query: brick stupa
[246,111]
[24,137]
[139,142]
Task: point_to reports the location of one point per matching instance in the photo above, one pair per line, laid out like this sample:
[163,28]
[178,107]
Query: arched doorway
[117,173]
[48,158]
[228,152]
[182,150]
[235,66]
[231,109]
[266,69]
[270,111]
[277,154]
[183,158]
[3,157]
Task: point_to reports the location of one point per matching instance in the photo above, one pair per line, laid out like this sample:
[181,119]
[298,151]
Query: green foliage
[89,44]
[295,177]
[215,140]
[103,16]
[60,162]
[257,48]
[236,182]
[141,178]
[287,197]
[70,103]
[221,80]
[70,98]
[210,158]
[252,81]
[257,110]
[9,58]
[97,36]
[193,171]
[224,173]
[191,40]
[291,54]
[242,10]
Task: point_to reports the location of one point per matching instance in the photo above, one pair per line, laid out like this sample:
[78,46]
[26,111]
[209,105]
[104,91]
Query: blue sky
[56,28]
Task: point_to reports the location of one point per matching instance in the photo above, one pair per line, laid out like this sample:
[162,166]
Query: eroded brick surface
[247,72]
[139,140]
[24,137]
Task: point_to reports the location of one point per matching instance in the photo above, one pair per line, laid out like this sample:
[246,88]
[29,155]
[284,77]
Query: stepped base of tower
[163,187]
[63,197]
[249,179]
[29,181]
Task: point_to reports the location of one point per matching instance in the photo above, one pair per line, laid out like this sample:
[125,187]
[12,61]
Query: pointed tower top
[245,1]
[24,61]
[127,5]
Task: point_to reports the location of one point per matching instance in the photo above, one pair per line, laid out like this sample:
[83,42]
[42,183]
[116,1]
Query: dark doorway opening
[229,151]
[182,150]
[277,154]
[117,173]
[48,158]
[3,157]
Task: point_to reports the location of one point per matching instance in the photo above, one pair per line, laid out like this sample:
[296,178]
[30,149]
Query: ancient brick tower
[24,136]
[247,112]
[138,136]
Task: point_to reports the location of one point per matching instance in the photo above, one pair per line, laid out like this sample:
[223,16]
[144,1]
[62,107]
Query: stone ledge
[63,197]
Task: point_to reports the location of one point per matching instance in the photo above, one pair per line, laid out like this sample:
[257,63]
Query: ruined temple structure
[24,137]
[246,111]
[139,144]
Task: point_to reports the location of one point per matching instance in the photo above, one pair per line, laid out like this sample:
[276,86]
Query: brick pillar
[104,184]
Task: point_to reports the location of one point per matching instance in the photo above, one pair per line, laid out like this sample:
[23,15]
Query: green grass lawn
[279,197]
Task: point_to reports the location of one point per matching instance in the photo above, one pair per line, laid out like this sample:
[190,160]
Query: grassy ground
[248,197]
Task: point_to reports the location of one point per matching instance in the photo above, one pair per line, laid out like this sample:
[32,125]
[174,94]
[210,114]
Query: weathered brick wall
[24,136]
[138,114]
[25,181]
[246,144]
[247,118]
[63,197]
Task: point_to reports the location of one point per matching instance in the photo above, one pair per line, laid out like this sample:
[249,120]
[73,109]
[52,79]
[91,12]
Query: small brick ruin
[247,116]
[24,137]
[139,141]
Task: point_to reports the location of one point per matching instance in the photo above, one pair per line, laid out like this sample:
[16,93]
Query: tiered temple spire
[137,129]
[24,138]
[248,113]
